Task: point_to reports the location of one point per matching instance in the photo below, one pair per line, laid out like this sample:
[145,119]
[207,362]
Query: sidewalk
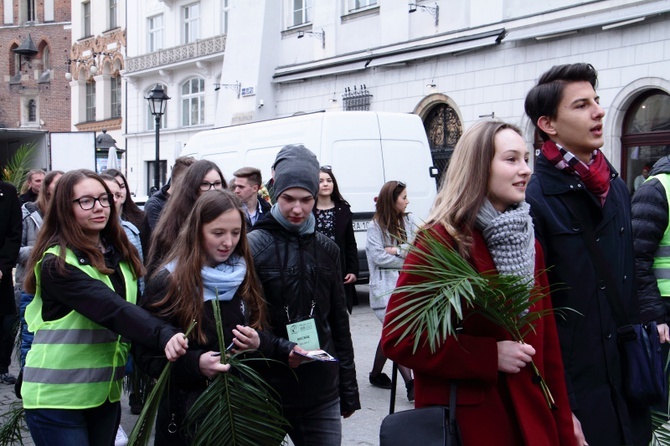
[361,429]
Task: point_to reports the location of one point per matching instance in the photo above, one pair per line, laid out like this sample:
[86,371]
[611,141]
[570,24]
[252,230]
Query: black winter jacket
[588,337]
[186,381]
[296,271]
[154,206]
[650,220]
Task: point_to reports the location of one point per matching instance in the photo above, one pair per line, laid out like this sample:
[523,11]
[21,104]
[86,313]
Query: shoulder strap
[452,396]
[611,291]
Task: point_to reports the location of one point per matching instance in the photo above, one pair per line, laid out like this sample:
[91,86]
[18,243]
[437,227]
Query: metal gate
[443,129]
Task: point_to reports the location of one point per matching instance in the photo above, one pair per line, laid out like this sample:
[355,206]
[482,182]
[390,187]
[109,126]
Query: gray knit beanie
[296,166]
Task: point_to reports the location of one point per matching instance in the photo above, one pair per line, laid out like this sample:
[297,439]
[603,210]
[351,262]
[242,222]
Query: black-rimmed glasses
[400,184]
[327,167]
[206,185]
[87,202]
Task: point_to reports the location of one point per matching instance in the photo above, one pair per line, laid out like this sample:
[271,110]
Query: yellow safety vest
[662,255]
[74,363]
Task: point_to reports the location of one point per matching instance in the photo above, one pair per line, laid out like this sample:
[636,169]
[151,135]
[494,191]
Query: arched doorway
[645,134]
[444,129]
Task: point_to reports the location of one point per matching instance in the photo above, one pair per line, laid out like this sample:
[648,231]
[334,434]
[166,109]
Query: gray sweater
[385,268]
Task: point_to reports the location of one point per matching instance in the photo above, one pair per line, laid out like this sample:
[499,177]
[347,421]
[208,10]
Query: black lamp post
[157,104]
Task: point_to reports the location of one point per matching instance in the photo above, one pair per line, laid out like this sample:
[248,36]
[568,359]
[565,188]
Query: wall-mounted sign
[248,91]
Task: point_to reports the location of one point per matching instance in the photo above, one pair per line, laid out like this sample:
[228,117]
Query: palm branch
[16,168]
[431,310]
[238,408]
[143,428]
[13,425]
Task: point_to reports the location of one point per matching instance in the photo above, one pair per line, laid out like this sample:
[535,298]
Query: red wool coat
[492,407]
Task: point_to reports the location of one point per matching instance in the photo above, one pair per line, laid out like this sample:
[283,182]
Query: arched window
[193,102]
[646,134]
[90,101]
[444,129]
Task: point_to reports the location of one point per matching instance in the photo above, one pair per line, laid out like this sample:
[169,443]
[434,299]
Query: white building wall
[262,46]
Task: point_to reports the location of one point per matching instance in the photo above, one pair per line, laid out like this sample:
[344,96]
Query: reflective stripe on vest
[662,255]
[74,363]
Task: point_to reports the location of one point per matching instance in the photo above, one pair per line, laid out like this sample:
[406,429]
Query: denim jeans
[316,426]
[80,427]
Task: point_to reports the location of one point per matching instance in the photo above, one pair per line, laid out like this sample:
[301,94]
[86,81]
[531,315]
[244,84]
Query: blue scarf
[306,227]
[222,281]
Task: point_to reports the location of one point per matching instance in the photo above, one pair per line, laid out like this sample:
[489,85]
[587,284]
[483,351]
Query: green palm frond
[15,170]
[143,428]
[13,425]
[238,408]
[431,309]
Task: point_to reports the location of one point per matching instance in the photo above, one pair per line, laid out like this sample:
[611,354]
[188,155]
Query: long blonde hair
[465,185]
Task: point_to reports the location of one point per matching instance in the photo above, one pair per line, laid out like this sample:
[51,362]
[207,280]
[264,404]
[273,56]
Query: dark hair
[43,198]
[336,196]
[180,165]
[129,210]
[184,293]
[252,175]
[543,98]
[60,228]
[386,214]
[177,209]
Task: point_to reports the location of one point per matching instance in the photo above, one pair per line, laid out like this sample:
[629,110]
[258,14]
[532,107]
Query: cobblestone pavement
[361,429]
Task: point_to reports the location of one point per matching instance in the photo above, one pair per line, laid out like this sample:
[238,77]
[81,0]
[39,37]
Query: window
[155,27]
[90,101]
[150,118]
[29,10]
[193,102]
[191,20]
[113,22]
[645,135]
[115,91]
[359,4]
[151,174]
[301,12]
[46,58]
[32,111]
[86,15]
[225,8]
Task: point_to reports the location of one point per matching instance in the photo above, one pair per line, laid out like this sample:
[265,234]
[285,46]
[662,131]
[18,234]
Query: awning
[449,47]
[293,76]
[549,28]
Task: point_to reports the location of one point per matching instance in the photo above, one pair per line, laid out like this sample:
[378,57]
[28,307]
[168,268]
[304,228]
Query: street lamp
[157,104]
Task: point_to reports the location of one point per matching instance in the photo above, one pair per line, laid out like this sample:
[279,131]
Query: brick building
[35,40]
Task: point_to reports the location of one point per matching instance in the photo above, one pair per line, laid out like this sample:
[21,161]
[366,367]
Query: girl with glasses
[334,220]
[84,274]
[200,178]
[389,235]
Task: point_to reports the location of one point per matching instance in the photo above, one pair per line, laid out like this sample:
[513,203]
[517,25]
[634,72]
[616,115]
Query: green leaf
[238,408]
[143,428]
[13,425]
[17,167]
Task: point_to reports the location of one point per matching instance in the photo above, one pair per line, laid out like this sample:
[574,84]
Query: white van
[364,149]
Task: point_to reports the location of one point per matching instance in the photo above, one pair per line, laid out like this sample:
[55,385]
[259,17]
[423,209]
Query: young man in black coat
[299,270]
[10,243]
[564,107]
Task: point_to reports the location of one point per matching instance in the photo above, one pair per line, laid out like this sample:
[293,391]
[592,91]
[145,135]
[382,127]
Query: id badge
[304,334]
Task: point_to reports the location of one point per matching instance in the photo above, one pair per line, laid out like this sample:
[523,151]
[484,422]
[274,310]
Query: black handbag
[428,426]
[644,380]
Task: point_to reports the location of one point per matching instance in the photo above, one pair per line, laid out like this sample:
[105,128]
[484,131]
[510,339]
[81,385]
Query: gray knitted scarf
[510,239]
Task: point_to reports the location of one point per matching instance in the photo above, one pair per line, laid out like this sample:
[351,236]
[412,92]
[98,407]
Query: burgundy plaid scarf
[595,175]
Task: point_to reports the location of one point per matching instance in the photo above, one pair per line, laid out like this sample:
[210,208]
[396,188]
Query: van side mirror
[433,172]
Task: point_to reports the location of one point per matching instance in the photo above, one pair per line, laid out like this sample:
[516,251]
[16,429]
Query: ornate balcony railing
[167,56]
